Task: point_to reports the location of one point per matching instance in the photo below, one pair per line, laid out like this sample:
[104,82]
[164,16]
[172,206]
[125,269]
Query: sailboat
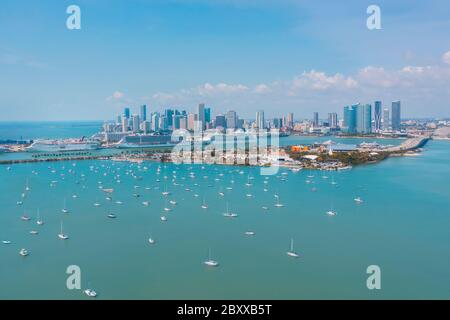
[165,192]
[278,204]
[358,200]
[90,293]
[61,235]
[230,214]
[204,205]
[64,209]
[23,252]
[39,221]
[210,262]
[24,217]
[27,187]
[291,252]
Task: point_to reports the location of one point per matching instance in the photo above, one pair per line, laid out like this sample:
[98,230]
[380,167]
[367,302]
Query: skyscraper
[396,117]
[207,115]
[260,122]
[155,121]
[290,120]
[183,122]
[377,115]
[201,114]
[385,119]
[221,121]
[231,119]
[136,123]
[168,113]
[192,118]
[350,119]
[316,120]
[124,124]
[126,113]
[364,118]
[333,120]
[143,113]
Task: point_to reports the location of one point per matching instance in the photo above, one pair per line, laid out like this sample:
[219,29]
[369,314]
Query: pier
[408,145]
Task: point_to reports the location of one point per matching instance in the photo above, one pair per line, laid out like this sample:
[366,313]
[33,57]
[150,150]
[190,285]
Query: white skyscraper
[136,123]
[260,122]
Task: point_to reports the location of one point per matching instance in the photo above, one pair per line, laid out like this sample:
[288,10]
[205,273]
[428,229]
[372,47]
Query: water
[402,226]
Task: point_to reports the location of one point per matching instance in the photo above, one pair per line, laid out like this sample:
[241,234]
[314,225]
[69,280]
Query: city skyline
[167,57]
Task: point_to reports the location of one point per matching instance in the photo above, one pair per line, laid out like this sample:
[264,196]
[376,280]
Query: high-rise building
[333,120]
[143,113]
[290,120]
[260,122]
[201,114]
[126,113]
[155,121]
[136,123]
[146,126]
[220,121]
[385,119]
[396,116]
[192,119]
[350,119]
[231,119]
[183,122]
[377,115]
[316,120]
[207,115]
[124,124]
[119,120]
[364,118]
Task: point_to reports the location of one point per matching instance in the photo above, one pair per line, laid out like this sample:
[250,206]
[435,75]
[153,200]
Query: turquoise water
[402,226]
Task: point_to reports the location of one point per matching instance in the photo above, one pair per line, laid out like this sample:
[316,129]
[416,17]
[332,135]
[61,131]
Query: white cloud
[220,88]
[314,80]
[117,95]
[262,89]
[446,57]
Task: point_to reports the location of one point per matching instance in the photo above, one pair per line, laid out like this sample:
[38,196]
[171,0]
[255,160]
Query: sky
[277,55]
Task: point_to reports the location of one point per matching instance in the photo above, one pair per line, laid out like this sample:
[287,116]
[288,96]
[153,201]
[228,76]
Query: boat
[34,232]
[19,203]
[111,216]
[64,145]
[96,204]
[145,203]
[27,186]
[249,233]
[23,252]
[39,221]
[6,242]
[173,202]
[291,252]
[64,209]
[151,241]
[25,218]
[278,204]
[163,218]
[265,208]
[204,205]
[90,293]
[61,235]
[331,213]
[229,214]
[210,262]
[358,200]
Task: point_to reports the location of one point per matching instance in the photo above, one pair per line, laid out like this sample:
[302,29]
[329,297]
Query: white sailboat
[39,221]
[61,235]
[64,209]
[204,205]
[23,252]
[210,262]
[229,214]
[358,200]
[291,252]
[278,204]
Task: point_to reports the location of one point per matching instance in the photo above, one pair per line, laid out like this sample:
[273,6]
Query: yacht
[96,204]
[111,216]
[291,252]
[61,235]
[265,208]
[146,203]
[34,232]
[163,218]
[210,262]
[249,233]
[19,203]
[172,202]
[6,242]
[151,241]
[119,202]
[23,252]
[25,218]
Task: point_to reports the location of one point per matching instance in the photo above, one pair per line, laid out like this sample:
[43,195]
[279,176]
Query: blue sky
[280,56]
